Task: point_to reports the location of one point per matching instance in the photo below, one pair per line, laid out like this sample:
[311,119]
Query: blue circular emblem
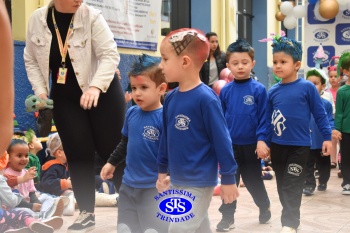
[321,35]
[175,206]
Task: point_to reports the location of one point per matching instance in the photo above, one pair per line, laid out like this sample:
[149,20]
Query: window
[244,20]
[165,17]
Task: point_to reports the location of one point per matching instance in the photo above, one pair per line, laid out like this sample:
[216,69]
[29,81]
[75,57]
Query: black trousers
[249,167]
[289,163]
[345,158]
[323,164]
[86,132]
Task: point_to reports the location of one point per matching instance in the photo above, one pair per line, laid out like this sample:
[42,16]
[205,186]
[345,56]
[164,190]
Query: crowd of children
[173,149]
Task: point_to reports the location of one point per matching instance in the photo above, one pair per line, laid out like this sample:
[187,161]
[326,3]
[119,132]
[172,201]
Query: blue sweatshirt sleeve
[319,113]
[262,126]
[162,157]
[269,126]
[221,140]
[329,110]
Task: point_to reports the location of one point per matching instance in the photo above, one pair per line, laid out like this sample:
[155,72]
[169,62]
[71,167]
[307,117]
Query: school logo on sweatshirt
[248,100]
[294,169]
[151,133]
[182,122]
[278,122]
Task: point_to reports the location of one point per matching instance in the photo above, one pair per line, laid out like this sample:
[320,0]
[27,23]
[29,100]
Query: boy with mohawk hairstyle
[342,121]
[289,107]
[244,104]
[200,144]
[141,133]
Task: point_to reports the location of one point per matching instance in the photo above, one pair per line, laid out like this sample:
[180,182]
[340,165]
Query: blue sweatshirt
[195,139]
[143,129]
[289,108]
[244,106]
[316,137]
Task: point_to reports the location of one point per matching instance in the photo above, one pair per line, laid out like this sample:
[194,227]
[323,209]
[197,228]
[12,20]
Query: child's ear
[162,88]
[31,145]
[324,86]
[297,65]
[186,61]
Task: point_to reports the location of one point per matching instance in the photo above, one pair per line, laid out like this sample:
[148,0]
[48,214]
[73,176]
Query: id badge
[61,76]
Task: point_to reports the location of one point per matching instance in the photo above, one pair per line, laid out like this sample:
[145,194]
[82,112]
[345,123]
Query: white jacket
[91,46]
[7,197]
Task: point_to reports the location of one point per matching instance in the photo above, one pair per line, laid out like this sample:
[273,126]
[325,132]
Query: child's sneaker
[54,222]
[322,187]
[265,216]
[225,225]
[308,191]
[346,189]
[85,222]
[55,210]
[288,230]
[40,227]
[107,187]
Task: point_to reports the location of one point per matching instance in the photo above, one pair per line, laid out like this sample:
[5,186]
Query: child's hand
[336,134]
[30,174]
[229,193]
[262,150]
[107,171]
[326,148]
[69,183]
[163,182]
[128,97]
[36,207]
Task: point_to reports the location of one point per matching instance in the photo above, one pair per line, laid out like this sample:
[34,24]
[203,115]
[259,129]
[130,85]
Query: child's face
[171,63]
[19,157]
[145,93]
[240,65]
[35,145]
[284,67]
[213,42]
[333,78]
[60,155]
[317,82]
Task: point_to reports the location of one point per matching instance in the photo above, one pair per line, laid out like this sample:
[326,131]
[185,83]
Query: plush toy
[33,103]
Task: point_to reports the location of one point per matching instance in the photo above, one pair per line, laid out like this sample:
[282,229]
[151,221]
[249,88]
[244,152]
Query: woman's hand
[90,97]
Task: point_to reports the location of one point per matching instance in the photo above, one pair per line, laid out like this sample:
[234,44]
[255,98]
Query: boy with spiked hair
[342,121]
[137,209]
[289,107]
[200,144]
[244,104]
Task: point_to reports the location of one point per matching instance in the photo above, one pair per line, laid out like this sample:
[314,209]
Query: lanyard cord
[63,49]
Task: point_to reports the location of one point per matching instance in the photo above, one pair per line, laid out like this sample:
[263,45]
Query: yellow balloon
[279,16]
[328,8]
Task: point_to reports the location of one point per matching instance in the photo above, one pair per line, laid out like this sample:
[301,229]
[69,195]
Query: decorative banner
[333,34]
[134,23]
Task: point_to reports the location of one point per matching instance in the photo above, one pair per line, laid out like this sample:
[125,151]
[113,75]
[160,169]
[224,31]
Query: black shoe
[322,187]
[265,216]
[85,222]
[225,225]
[308,191]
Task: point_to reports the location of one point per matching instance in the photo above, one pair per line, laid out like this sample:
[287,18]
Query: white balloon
[286,8]
[290,22]
[342,2]
[317,12]
[299,11]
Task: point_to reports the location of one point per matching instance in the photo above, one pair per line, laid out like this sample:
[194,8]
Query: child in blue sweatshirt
[289,107]
[195,136]
[318,78]
[243,102]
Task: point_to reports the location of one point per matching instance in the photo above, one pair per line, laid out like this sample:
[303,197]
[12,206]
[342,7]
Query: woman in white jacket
[72,43]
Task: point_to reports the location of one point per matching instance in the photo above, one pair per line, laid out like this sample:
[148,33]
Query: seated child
[34,147]
[45,204]
[15,220]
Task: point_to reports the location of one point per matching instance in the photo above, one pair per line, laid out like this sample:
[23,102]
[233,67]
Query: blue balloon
[313,1]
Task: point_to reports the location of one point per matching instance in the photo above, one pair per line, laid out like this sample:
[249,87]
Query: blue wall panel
[201,15]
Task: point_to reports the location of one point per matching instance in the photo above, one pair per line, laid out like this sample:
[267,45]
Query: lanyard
[63,49]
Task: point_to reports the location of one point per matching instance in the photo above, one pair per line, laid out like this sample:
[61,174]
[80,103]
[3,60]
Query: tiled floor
[326,212]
